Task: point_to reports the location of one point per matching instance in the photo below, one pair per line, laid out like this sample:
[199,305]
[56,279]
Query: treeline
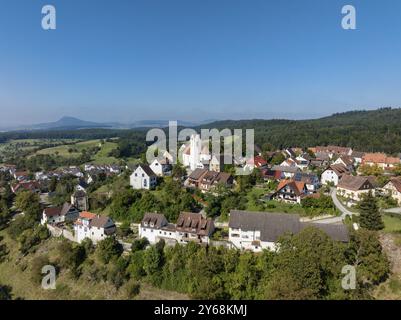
[378,130]
[308,266]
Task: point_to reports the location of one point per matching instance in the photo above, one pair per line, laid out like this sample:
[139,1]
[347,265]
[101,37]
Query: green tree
[370,217]
[108,249]
[366,254]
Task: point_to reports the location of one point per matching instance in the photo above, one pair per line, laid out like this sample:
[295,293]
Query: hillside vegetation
[377,130]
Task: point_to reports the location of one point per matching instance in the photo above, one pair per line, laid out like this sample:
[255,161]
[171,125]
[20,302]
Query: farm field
[74,151]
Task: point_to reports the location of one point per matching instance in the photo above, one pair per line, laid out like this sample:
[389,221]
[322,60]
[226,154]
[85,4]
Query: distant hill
[67,123]
[71,123]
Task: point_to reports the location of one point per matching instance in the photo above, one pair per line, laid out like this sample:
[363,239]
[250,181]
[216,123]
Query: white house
[55,215]
[334,173]
[256,231]
[160,166]
[393,188]
[354,187]
[94,227]
[154,227]
[347,161]
[190,227]
[143,178]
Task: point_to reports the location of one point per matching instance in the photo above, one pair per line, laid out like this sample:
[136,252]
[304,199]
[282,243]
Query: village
[293,178]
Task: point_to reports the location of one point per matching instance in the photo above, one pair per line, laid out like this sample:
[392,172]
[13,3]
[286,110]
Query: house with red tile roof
[290,191]
[381,160]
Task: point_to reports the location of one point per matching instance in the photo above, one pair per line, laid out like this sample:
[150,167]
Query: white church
[195,154]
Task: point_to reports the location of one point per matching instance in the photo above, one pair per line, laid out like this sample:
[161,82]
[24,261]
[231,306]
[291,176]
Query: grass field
[391,223]
[100,158]
[63,149]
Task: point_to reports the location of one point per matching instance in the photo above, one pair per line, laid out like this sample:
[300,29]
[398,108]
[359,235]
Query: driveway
[344,211]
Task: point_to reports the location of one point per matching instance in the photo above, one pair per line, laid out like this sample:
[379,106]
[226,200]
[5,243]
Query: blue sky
[196,59]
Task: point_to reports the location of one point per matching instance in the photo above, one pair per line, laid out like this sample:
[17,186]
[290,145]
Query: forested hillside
[377,130]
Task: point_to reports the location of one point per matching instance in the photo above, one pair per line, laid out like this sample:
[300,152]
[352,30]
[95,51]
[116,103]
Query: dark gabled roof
[197,174]
[339,169]
[66,208]
[189,221]
[348,160]
[82,183]
[99,221]
[51,212]
[157,219]
[271,225]
[59,211]
[357,154]
[396,183]
[147,170]
[337,232]
[355,183]
[223,177]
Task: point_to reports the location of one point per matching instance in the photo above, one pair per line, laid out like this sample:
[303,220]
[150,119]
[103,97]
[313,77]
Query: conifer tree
[370,217]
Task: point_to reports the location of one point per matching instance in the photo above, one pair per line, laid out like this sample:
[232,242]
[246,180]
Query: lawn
[392,223]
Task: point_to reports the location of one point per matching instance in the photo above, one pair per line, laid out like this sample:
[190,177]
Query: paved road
[393,210]
[344,211]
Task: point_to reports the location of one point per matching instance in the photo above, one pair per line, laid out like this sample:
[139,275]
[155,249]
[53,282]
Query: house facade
[143,178]
[354,187]
[393,188]
[333,174]
[161,167]
[190,227]
[94,227]
[55,215]
[290,191]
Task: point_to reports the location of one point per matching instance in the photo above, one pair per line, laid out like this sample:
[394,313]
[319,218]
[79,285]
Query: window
[145,183]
